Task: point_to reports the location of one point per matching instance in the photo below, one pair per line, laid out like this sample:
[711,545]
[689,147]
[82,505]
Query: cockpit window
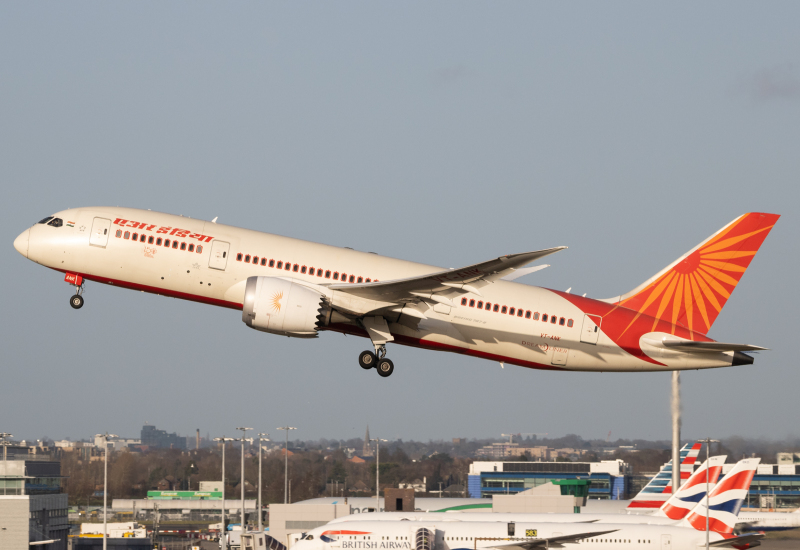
[56,222]
[47,219]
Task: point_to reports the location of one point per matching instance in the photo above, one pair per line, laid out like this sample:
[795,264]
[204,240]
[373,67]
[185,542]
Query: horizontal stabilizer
[746,540]
[708,347]
[551,541]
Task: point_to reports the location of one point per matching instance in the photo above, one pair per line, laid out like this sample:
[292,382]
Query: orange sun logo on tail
[276,301]
[692,291]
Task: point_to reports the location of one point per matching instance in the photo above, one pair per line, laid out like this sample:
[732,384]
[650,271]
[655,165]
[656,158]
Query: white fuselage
[453,535]
[204,275]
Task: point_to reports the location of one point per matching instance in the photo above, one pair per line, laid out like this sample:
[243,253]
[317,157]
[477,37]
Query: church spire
[367,450]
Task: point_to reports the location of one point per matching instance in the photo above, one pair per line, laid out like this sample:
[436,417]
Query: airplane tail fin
[693,491]
[693,289]
[725,500]
[659,489]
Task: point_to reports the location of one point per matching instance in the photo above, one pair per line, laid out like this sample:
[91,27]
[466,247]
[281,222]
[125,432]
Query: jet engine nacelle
[283,307]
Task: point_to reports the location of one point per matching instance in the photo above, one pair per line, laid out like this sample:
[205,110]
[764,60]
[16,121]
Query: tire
[367,360]
[76,301]
[385,367]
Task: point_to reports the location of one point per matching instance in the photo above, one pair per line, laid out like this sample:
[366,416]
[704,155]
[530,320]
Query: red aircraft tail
[692,290]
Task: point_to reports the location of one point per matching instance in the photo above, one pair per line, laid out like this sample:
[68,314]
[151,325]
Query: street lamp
[286,464]
[708,496]
[4,436]
[106,436]
[377,441]
[224,440]
[244,439]
[261,438]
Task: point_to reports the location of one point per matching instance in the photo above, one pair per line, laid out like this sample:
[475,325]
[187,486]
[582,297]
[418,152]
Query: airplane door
[666,542]
[591,328]
[100,229]
[219,255]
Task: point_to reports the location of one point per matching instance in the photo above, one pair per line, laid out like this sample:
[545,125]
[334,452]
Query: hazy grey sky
[446,133]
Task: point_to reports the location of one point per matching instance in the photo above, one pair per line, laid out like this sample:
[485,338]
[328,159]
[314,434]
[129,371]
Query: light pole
[4,436]
[106,436]
[377,441]
[244,440]
[286,464]
[708,496]
[222,529]
[261,438]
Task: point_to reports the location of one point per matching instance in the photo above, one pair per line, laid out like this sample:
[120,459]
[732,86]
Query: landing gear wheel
[385,367]
[76,301]
[367,360]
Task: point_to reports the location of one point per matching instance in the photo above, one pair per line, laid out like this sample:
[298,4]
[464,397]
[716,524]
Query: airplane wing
[550,541]
[740,541]
[466,279]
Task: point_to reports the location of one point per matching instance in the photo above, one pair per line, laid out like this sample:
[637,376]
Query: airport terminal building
[608,480]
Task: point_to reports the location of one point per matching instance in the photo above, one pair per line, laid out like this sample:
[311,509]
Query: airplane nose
[21,242]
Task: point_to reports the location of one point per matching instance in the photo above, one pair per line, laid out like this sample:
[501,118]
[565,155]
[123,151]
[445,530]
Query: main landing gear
[378,360]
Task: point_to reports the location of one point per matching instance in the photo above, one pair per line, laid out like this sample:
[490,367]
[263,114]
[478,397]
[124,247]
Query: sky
[446,133]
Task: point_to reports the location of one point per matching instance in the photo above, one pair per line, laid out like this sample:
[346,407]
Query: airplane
[726,498]
[299,288]
[677,507]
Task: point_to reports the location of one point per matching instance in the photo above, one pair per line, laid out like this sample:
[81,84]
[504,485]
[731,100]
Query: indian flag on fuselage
[658,491]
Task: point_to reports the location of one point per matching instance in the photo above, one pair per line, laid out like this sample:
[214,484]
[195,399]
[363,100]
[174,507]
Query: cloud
[779,82]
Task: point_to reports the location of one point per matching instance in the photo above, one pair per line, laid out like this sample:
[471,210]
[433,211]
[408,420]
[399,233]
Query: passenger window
[496,308]
[287,266]
[562,321]
[166,243]
[328,274]
[296,268]
[368,280]
[335,275]
[472,303]
[528,314]
[175,245]
[119,232]
[135,236]
[158,241]
[247,258]
[127,235]
[519,313]
[536,316]
[56,222]
[272,263]
[544,317]
[463,301]
[183,246]
[263,262]
[553,319]
[504,309]
[352,278]
[142,237]
[200,250]
[255,260]
[344,277]
[303,269]
[511,311]
[480,305]
[280,265]
[150,240]
[239,257]
[488,306]
[360,280]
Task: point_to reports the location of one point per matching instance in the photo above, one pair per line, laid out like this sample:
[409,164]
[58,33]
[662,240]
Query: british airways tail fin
[694,490]
[692,290]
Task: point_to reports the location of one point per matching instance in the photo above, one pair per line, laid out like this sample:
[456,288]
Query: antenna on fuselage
[214,220]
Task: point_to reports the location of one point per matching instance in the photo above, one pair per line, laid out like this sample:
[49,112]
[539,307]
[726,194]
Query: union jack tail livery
[693,491]
[691,291]
[656,493]
[726,500]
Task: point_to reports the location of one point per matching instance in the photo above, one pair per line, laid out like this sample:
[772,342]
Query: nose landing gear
[75,301]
